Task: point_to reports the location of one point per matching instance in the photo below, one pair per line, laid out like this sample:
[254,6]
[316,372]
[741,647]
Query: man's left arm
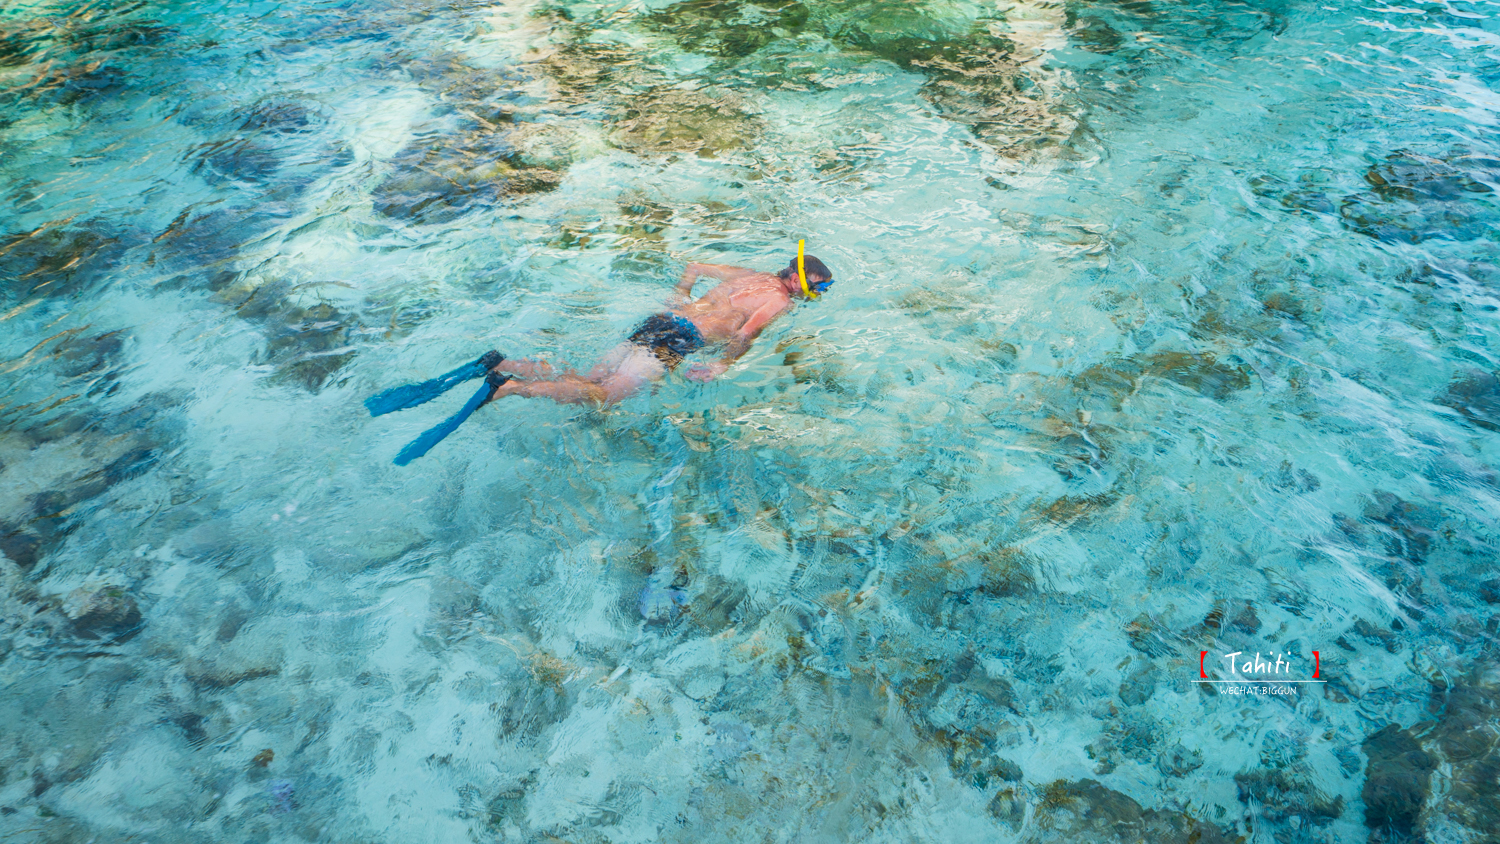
[739,344]
[722,272]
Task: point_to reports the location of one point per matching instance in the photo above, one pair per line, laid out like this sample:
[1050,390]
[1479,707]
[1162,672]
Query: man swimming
[732,313]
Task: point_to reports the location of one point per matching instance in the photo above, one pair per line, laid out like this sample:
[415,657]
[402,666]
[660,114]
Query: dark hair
[810,265]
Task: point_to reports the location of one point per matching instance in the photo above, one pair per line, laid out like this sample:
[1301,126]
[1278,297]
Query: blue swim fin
[434,435]
[411,395]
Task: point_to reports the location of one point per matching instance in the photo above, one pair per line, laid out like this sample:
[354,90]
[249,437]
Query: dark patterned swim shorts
[670,336]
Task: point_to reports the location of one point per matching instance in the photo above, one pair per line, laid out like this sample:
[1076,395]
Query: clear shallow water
[1160,329]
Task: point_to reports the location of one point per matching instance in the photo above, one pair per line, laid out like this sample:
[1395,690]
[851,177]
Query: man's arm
[722,272]
[740,343]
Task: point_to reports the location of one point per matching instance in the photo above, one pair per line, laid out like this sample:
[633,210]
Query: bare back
[724,311]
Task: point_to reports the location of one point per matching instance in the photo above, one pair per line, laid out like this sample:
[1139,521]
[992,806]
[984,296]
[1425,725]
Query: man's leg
[569,389]
[526,368]
[605,384]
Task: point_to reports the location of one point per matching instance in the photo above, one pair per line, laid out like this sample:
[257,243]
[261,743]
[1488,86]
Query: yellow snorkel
[802,274]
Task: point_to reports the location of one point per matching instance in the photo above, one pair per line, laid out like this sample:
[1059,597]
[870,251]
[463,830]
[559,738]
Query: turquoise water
[1162,332]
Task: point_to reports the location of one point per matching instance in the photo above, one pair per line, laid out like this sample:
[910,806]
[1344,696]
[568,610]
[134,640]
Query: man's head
[819,277]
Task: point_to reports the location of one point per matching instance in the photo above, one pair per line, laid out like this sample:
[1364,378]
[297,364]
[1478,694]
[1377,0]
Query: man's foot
[496,380]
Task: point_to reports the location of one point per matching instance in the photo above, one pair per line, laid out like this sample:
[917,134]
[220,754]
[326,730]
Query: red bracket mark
[1317,664]
[1201,655]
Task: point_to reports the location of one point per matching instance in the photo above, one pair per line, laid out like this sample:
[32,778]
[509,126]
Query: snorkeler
[732,313]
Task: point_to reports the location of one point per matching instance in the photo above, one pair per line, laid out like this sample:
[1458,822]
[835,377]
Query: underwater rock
[907,33]
[487,96]
[1409,176]
[1489,591]
[230,623]
[1413,222]
[1232,317]
[1007,572]
[1093,34]
[131,464]
[21,546]
[1280,750]
[813,362]
[109,613]
[534,696]
[1246,620]
[191,725]
[1002,354]
[278,116]
[1152,637]
[1178,761]
[1130,736]
[644,220]
[119,35]
[714,602]
[1140,685]
[1397,783]
[244,658]
[971,743]
[56,262]
[215,675]
[76,357]
[1311,200]
[509,805]
[1302,481]
[86,454]
[81,84]
[581,70]
[1086,810]
[452,600]
[1114,381]
[52,505]
[1466,740]
[237,159]
[1370,633]
[1299,305]
[1476,395]
[530,708]
[1413,198]
[1240,616]
[975,78]
[728,28]
[16,45]
[1077,457]
[1200,372]
[205,241]
[971,756]
[551,147]
[704,122]
[1008,807]
[1410,528]
[308,343]
[436,184]
[1284,793]
[1008,770]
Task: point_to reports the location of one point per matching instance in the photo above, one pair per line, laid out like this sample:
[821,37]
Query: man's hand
[689,278]
[703,374]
